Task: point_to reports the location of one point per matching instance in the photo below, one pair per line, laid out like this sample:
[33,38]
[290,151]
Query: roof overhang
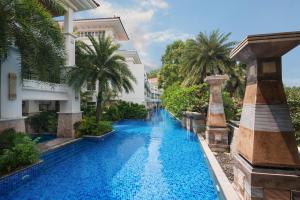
[265,46]
[80,5]
[98,23]
[132,54]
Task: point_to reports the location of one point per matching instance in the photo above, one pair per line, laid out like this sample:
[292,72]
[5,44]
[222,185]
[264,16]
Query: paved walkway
[56,143]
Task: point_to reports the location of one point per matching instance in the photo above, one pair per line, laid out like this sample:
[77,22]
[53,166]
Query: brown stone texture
[217,139]
[264,183]
[17,124]
[216,120]
[267,165]
[66,123]
[268,149]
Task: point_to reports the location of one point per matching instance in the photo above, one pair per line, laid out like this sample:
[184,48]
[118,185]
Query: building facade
[26,96]
[113,27]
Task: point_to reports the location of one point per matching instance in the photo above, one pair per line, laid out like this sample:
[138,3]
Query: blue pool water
[142,160]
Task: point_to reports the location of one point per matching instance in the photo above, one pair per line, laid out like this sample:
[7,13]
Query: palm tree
[237,80]
[100,64]
[206,55]
[28,25]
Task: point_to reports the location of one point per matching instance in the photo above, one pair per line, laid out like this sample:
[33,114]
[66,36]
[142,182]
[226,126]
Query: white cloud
[137,20]
[155,3]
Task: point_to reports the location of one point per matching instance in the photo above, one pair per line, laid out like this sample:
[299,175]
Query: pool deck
[225,186]
[54,144]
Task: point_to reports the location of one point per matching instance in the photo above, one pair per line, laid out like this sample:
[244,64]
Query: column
[11,93]
[216,127]
[268,159]
[69,110]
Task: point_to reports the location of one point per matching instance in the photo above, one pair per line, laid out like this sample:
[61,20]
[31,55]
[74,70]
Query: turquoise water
[142,160]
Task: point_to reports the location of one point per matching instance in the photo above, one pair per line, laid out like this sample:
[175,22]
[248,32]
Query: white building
[19,97]
[113,27]
[152,93]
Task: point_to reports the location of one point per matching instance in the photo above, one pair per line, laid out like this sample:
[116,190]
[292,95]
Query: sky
[153,24]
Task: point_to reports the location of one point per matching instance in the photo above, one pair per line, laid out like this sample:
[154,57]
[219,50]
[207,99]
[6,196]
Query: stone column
[11,93]
[69,110]
[266,167]
[216,128]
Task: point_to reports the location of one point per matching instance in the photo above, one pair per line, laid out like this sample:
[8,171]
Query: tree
[100,64]
[171,64]
[208,54]
[28,25]
[237,80]
[153,73]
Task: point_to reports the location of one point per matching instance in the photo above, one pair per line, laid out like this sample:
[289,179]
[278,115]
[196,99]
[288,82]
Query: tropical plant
[153,73]
[43,122]
[17,150]
[90,126]
[236,83]
[100,64]
[28,25]
[208,54]
[293,99]
[171,64]
[177,98]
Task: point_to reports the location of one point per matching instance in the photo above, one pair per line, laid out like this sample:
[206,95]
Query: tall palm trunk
[99,105]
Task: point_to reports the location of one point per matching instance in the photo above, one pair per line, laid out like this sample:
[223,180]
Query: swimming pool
[142,160]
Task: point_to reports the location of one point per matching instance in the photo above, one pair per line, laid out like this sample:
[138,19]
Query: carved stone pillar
[266,167]
[216,128]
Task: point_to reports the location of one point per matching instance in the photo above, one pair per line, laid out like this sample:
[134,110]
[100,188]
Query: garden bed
[226,161]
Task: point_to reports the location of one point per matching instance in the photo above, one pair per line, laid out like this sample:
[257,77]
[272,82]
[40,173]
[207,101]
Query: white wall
[11,109]
[138,95]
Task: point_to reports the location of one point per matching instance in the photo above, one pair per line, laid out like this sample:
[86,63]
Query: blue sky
[152,24]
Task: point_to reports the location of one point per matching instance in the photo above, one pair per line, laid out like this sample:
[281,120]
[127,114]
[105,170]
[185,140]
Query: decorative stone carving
[216,128]
[268,155]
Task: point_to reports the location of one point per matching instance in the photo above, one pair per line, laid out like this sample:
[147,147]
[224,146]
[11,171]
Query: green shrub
[17,150]
[89,126]
[177,98]
[44,122]
[125,110]
[232,108]
[293,99]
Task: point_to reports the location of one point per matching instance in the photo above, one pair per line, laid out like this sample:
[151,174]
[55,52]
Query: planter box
[194,122]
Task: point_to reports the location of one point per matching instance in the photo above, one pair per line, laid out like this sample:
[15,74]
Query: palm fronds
[99,64]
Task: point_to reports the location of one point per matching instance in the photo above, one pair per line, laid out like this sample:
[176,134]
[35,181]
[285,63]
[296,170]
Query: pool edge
[226,187]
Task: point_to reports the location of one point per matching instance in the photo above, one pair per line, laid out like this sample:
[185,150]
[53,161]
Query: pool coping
[226,187]
[40,161]
[98,137]
[59,145]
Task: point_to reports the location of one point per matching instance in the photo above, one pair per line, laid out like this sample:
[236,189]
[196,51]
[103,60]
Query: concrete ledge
[225,186]
[55,144]
[93,137]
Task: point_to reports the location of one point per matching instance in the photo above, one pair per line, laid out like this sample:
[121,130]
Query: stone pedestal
[216,128]
[198,122]
[66,123]
[265,183]
[189,121]
[266,167]
[183,120]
